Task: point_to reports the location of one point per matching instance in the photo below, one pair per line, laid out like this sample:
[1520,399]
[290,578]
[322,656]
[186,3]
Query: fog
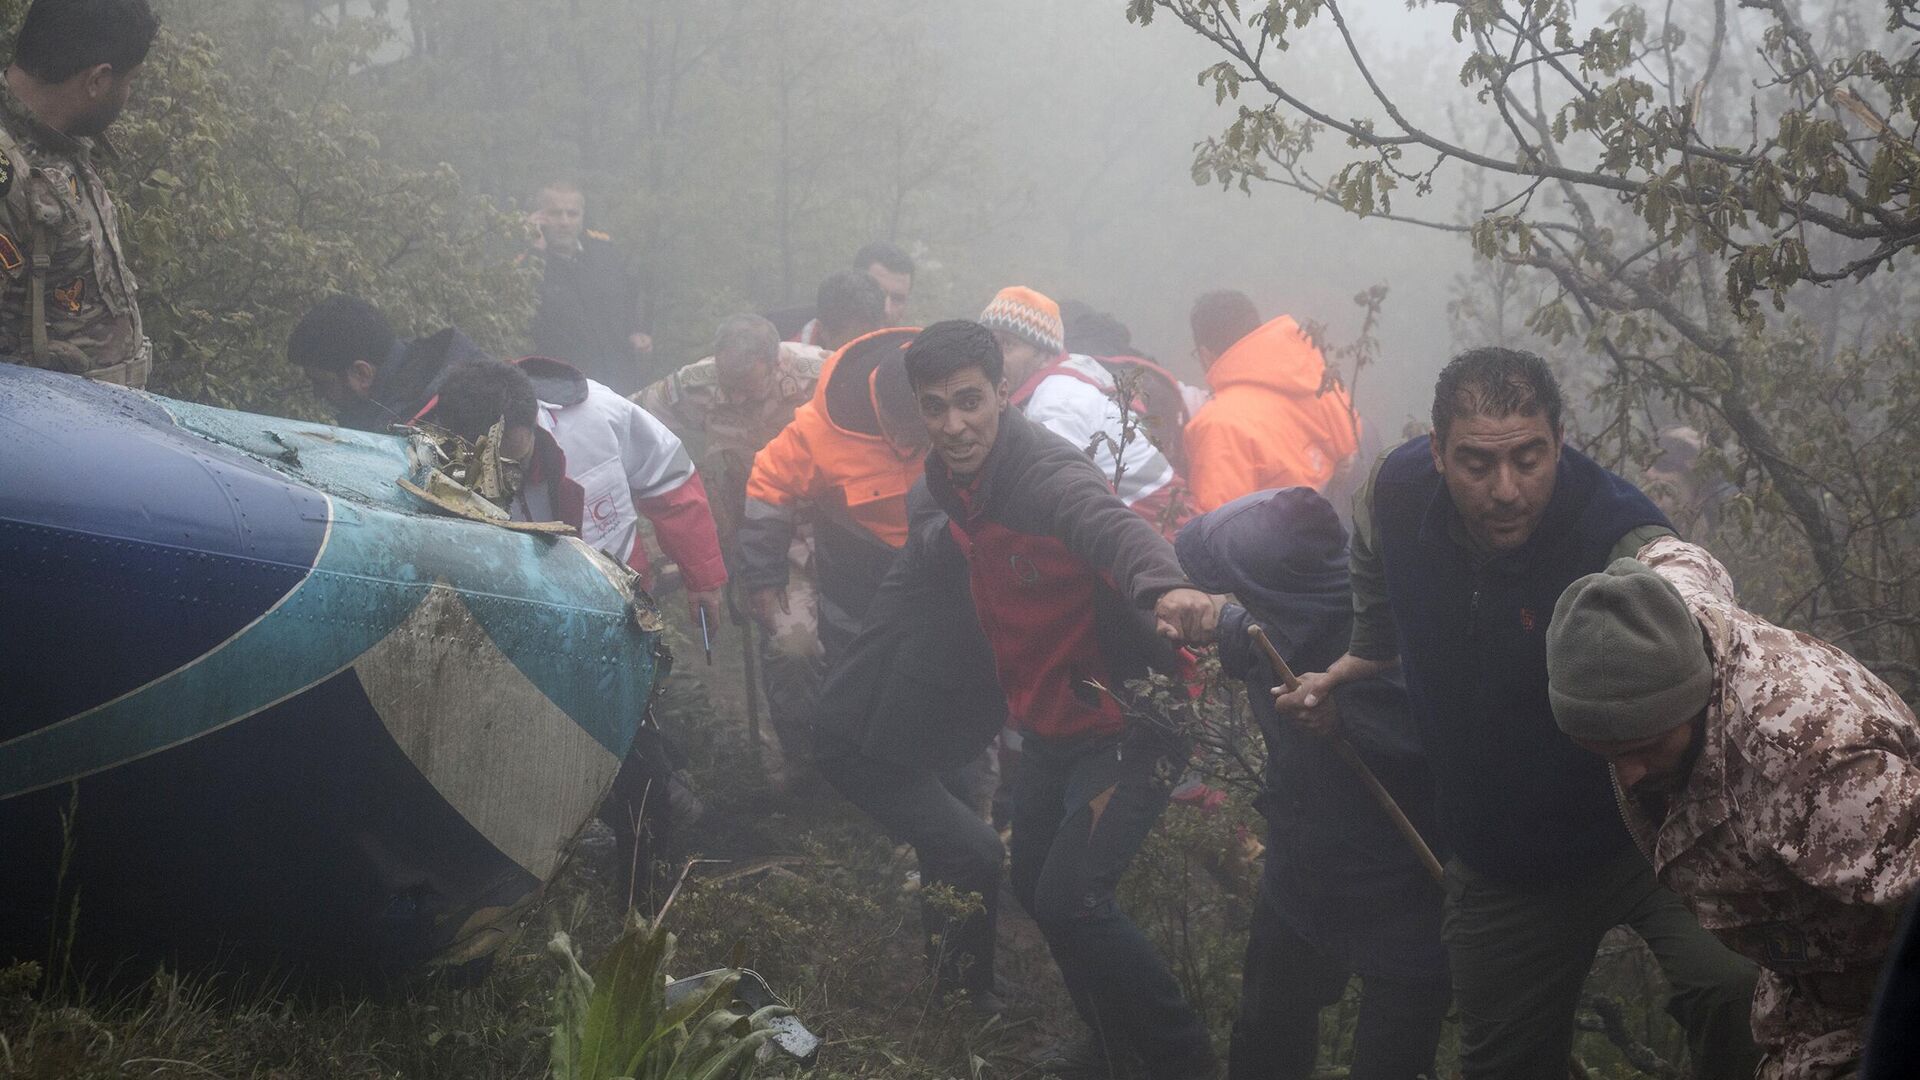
[1050,144]
[1099,118]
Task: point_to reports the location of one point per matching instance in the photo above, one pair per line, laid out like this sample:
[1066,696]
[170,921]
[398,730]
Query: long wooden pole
[1352,757]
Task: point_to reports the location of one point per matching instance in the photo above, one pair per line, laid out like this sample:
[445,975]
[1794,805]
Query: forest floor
[795,885]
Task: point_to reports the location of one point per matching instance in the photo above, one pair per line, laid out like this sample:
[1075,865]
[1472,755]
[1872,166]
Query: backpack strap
[39,251]
[1057,367]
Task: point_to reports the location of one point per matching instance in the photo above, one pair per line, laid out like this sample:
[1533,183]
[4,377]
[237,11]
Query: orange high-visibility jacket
[1268,425]
[837,459]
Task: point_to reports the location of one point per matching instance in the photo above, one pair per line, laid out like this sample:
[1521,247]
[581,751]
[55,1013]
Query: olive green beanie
[1625,659]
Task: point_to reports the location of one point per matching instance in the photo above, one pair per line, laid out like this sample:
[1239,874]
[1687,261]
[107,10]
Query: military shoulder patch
[6,175]
[10,258]
[70,295]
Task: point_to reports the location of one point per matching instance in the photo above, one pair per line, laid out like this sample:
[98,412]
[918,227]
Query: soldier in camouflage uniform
[67,294]
[725,408]
[1772,779]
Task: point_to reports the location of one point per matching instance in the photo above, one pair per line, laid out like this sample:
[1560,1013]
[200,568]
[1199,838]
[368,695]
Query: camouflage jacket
[723,433]
[49,190]
[1796,838]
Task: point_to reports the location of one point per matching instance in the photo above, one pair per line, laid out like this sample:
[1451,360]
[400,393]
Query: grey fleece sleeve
[1117,543]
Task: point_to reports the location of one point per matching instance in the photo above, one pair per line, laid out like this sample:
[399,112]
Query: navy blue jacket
[1337,870]
[1519,802]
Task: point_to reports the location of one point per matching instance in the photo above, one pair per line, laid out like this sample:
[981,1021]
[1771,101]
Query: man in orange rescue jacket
[1274,422]
[845,464]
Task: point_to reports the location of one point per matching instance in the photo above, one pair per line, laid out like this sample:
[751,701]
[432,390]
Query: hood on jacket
[555,382]
[1277,357]
[1283,554]
[864,390]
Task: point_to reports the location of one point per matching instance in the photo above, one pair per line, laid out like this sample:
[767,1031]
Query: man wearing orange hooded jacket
[844,464]
[1274,422]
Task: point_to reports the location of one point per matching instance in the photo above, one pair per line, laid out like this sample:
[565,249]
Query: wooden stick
[1352,757]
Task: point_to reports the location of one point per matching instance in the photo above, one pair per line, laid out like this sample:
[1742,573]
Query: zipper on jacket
[1479,586]
[1620,803]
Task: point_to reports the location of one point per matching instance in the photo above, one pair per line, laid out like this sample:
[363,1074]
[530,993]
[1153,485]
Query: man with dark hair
[1077,596]
[1219,320]
[892,270]
[1276,420]
[69,300]
[482,394]
[889,268]
[594,460]
[592,311]
[372,379]
[1463,542]
[849,304]
[729,406]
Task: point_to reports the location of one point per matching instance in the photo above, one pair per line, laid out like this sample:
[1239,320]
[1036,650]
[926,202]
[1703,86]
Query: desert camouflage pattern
[1796,838]
[91,298]
[728,432]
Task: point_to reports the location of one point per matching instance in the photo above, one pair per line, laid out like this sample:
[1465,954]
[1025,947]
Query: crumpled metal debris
[472,480]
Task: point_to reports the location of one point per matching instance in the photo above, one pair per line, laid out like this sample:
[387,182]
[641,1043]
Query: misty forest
[1701,214]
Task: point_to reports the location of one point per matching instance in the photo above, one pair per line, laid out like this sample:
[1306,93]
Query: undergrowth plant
[620,1022]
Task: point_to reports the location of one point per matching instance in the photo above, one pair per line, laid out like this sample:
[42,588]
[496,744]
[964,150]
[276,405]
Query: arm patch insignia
[10,258]
[6,175]
[69,296]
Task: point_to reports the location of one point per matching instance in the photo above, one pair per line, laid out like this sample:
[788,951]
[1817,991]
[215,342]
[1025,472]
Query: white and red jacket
[625,465]
[1073,397]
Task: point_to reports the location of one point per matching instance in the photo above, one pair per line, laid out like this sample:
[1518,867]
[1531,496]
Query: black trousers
[1081,809]
[1287,983]
[940,815]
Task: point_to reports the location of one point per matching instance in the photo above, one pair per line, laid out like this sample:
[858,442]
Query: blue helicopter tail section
[245,648]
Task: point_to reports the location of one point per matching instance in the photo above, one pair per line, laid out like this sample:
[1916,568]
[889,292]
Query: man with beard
[1773,780]
[1462,543]
[69,301]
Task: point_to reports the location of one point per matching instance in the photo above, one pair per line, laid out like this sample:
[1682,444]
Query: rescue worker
[1069,586]
[1462,542]
[592,312]
[357,364]
[1074,397]
[729,406]
[69,302]
[1773,780]
[843,465]
[1274,420]
[888,267]
[1341,894]
[610,464]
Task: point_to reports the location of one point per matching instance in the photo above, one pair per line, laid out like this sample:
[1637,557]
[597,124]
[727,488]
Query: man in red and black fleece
[1077,595]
